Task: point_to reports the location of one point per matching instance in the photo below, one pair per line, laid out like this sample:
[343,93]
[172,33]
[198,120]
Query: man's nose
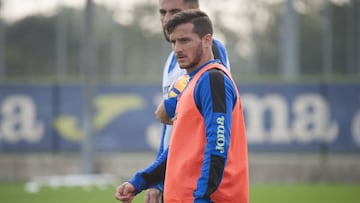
[177,48]
[167,17]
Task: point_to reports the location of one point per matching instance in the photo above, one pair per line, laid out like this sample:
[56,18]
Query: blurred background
[80,80]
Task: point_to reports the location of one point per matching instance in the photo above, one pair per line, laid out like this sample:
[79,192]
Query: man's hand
[153,195]
[161,115]
[125,192]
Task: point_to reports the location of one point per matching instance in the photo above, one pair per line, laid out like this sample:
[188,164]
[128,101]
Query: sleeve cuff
[170,106]
[138,182]
[158,187]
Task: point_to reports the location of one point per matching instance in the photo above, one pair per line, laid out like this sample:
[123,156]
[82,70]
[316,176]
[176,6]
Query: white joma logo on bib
[220,133]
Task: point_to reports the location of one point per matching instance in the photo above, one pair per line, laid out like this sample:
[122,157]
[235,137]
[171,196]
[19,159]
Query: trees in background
[138,49]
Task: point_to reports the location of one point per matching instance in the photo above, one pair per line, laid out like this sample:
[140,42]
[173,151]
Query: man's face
[167,9]
[188,46]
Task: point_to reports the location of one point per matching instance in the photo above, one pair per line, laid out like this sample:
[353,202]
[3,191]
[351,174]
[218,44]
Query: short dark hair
[200,20]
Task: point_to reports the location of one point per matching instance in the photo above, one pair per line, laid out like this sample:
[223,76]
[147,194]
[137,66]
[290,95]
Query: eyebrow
[171,11]
[181,39]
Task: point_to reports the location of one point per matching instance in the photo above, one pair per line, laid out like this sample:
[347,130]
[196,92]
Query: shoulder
[216,74]
[219,45]
[217,42]
[170,60]
[216,78]
[220,52]
[212,77]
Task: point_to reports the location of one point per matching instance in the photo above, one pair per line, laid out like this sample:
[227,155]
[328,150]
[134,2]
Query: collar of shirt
[202,66]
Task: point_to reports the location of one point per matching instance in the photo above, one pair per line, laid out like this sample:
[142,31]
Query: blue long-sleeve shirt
[206,98]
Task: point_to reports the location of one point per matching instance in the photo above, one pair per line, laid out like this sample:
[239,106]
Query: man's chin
[183,65]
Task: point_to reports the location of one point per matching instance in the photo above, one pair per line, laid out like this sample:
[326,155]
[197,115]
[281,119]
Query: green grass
[306,193]
[281,193]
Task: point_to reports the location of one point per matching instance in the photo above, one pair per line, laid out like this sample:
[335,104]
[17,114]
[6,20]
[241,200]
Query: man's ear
[207,40]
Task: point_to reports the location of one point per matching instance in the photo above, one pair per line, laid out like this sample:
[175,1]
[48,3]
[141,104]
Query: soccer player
[171,72]
[207,157]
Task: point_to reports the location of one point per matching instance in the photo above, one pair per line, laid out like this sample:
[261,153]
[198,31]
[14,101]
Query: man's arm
[215,97]
[164,115]
[146,178]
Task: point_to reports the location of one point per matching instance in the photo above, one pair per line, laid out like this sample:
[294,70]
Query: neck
[200,63]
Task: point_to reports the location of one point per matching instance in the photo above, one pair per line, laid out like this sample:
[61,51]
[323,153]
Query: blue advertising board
[299,117]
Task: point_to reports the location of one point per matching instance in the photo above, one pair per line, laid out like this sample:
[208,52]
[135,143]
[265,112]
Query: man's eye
[175,11]
[184,40]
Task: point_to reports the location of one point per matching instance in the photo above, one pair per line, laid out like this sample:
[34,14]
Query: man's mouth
[180,57]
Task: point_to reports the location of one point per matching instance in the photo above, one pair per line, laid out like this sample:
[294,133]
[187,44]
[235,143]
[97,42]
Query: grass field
[306,193]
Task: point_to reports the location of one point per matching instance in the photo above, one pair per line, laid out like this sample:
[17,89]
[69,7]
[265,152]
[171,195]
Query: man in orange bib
[207,158]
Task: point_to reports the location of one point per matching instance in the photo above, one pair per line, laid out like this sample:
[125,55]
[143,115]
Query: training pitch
[281,193]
